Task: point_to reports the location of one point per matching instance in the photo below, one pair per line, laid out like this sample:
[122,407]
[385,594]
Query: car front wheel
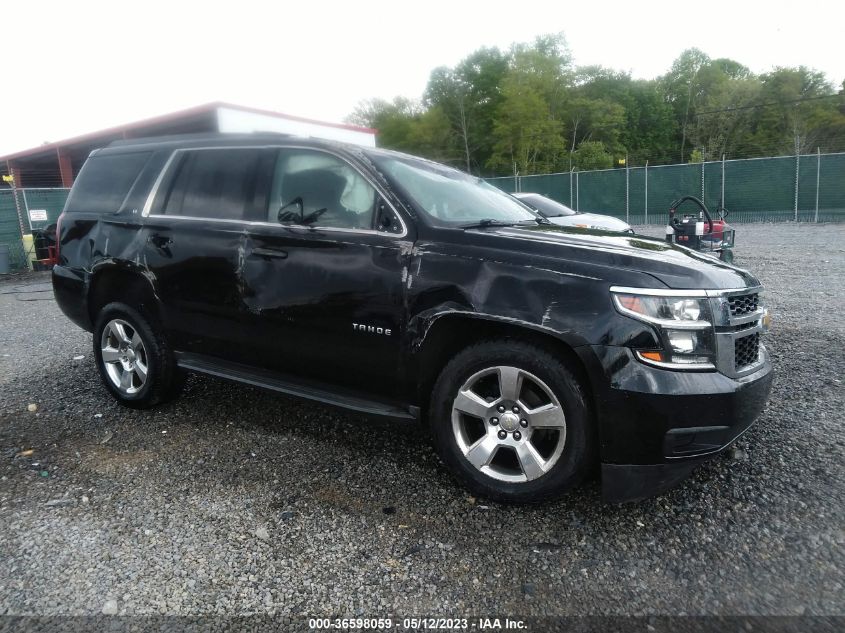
[512,422]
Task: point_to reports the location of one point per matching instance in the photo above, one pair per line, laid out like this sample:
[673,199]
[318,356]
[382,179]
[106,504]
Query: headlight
[683,322]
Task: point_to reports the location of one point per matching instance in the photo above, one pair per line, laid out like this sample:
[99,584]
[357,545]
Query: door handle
[269,253]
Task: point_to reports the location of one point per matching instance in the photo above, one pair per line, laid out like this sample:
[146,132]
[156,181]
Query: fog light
[682,341]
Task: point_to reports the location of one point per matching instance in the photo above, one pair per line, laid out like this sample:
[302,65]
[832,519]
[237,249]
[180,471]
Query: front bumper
[657,425]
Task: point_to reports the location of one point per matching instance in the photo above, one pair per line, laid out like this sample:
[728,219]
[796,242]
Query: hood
[591,221]
[673,265]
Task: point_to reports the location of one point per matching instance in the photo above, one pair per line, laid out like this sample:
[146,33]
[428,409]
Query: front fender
[574,306]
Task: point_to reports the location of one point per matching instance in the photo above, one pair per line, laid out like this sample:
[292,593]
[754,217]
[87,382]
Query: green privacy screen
[807,188]
[33,203]
[10,230]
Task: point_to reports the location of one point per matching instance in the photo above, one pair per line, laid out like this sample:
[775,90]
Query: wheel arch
[125,284]
[447,334]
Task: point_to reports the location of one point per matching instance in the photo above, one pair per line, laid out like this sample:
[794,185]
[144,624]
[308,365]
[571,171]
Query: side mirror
[291,212]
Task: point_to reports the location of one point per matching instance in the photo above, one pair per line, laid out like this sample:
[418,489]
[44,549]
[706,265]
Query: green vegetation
[529,111]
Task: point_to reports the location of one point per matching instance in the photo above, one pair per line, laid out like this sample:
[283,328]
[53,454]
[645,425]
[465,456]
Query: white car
[562,215]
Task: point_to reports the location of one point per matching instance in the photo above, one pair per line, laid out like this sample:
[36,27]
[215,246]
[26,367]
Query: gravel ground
[234,501]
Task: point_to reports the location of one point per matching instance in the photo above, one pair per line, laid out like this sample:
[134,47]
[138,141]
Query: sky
[77,67]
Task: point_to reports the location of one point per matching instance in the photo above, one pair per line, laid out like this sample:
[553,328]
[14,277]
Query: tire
[127,343]
[464,402]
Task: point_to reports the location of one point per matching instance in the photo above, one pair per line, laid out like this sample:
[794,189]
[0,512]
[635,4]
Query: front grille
[746,350]
[743,304]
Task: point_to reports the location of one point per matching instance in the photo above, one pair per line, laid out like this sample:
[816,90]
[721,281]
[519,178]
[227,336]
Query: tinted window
[104,181]
[213,184]
[331,192]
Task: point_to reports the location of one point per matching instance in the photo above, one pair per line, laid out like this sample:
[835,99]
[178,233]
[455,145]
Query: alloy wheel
[509,424]
[124,356]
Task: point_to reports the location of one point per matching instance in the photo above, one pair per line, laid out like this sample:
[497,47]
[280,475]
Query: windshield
[449,196]
[548,207]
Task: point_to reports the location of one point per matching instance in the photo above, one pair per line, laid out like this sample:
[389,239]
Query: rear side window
[104,182]
[216,184]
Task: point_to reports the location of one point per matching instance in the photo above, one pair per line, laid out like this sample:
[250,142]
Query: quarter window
[104,181]
[216,184]
[317,189]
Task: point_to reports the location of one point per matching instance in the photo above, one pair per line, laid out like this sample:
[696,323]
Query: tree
[404,125]
[798,112]
[650,129]
[528,110]
[681,87]
[430,134]
[528,132]
[592,155]
[527,138]
[546,66]
[599,120]
[393,120]
[468,96]
[726,91]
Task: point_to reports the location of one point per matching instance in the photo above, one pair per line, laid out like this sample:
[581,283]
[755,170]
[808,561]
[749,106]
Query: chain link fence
[21,211]
[806,188]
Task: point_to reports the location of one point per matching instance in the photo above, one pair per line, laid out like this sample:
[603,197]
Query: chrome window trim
[257,223]
[378,189]
[148,204]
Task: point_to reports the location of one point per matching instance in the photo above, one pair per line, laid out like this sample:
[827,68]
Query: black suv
[395,286]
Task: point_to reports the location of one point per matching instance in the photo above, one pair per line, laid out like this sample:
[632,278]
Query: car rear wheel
[134,359]
[512,422]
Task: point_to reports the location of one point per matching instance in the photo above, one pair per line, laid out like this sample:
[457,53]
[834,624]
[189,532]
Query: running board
[281,383]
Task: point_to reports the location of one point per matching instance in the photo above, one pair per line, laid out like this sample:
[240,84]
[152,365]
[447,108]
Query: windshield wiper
[491,222]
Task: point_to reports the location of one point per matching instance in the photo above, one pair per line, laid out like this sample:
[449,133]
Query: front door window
[317,189]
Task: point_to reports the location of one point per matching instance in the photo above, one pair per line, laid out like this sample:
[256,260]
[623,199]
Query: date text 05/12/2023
[417,624]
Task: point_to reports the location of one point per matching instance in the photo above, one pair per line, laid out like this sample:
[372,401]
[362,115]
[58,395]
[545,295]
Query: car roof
[219,139]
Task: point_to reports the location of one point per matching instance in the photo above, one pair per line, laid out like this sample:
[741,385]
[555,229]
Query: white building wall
[241,121]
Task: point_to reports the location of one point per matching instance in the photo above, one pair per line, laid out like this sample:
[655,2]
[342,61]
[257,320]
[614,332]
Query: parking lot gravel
[235,501]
